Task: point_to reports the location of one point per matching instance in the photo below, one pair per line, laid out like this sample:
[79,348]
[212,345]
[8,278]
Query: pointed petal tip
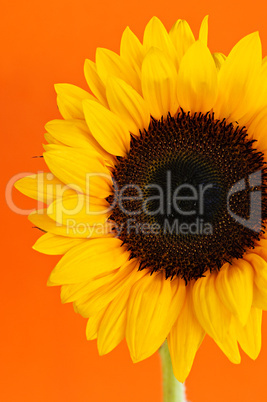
[33,213]
[50,283]
[255,34]
[103,349]
[181,377]
[252,37]
[58,88]
[135,359]
[34,247]
[18,184]
[154,19]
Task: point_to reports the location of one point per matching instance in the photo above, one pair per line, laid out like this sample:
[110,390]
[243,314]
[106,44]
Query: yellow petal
[94,81]
[81,231]
[81,208]
[107,128]
[156,36]
[75,133]
[112,327]
[219,59]
[80,169]
[51,146]
[93,325]
[109,63]
[75,291]
[99,294]
[153,307]
[229,345]
[184,339]
[132,50]
[256,113]
[55,245]
[197,80]
[203,31]
[126,103]
[259,264]
[210,312]
[69,100]
[264,65]
[69,133]
[88,260]
[237,76]
[159,84]
[44,187]
[182,37]
[257,129]
[51,140]
[234,284]
[249,336]
[258,250]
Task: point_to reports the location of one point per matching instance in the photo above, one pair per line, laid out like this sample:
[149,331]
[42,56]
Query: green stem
[173,390]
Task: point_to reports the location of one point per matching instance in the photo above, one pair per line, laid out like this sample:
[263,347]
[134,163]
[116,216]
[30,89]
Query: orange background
[44,352]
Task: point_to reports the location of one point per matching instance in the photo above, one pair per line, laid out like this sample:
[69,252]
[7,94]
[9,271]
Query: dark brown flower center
[190,195]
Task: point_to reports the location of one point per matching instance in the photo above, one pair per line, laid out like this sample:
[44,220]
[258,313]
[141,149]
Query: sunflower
[156,195]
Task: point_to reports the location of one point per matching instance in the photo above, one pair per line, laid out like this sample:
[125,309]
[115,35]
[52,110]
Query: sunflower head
[171,192]
[157,197]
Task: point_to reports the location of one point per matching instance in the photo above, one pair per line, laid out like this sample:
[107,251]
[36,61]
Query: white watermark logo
[180,209]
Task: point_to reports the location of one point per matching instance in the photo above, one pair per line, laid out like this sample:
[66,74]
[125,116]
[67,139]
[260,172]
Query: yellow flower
[157,195]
